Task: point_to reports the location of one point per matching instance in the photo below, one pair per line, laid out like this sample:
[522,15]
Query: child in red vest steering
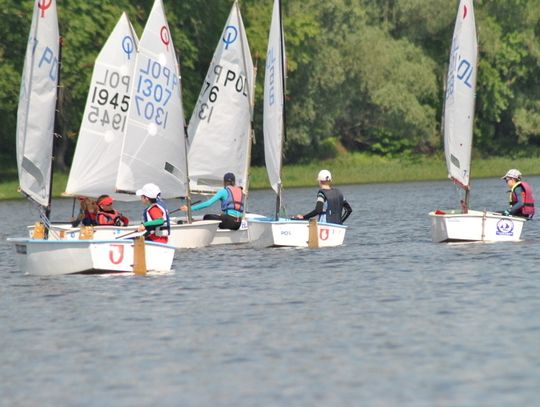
[521,200]
[107,215]
[156,221]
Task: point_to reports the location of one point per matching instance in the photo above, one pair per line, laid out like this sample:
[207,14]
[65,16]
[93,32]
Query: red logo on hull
[119,251]
[324,233]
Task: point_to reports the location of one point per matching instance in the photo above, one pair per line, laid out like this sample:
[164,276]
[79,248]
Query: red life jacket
[110,218]
[527,196]
[158,233]
[234,200]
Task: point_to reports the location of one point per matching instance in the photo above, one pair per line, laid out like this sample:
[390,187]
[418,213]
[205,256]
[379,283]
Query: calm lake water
[388,319]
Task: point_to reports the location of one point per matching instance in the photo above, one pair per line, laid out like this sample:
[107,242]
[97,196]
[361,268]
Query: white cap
[513,173]
[324,175]
[149,191]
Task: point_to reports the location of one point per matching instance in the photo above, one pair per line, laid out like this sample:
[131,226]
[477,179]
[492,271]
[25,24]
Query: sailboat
[119,119]
[95,163]
[465,224]
[220,132]
[154,146]
[276,231]
[35,133]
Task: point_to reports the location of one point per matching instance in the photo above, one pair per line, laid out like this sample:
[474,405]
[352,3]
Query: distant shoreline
[348,169]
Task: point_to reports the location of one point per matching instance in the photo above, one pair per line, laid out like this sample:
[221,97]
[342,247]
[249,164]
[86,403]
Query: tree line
[363,75]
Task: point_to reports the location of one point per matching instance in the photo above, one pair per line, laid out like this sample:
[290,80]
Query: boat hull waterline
[60,257]
[454,226]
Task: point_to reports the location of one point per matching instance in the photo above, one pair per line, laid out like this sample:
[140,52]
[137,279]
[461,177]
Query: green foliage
[508,91]
[364,74]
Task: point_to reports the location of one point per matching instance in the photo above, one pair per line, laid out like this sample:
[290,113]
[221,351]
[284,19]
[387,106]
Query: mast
[251,138]
[188,188]
[56,131]
[251,98]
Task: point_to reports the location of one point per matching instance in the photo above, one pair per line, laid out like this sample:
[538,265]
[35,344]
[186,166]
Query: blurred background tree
[364,75]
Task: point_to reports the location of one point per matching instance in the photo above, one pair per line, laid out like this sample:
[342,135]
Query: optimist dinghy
[35,133]
[131,133]
[220,133]
[59,257]
[276,231]
[464,224]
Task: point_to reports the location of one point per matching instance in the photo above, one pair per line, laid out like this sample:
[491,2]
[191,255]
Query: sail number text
[463,71]
[270,81]
[155,87]
[109,101]
[49,60]
[218,79]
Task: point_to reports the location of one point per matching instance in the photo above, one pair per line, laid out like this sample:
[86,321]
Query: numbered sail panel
[460,94]
[37,103]
[220,126]
[95,162]
[154,144]
[274,91]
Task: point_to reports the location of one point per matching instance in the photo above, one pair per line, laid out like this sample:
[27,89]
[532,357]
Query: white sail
[37,103]
[460,95]
[95,163]
[220,126]
[273,115]
[154,148]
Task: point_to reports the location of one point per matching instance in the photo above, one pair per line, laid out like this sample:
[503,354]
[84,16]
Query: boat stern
[454,226]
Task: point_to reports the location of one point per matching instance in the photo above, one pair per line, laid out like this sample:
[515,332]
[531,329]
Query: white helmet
[149,191]
[324,175]
[513,173]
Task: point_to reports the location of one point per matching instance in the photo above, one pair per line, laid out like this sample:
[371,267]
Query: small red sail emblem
[43,5]
[165,36]
[464,12]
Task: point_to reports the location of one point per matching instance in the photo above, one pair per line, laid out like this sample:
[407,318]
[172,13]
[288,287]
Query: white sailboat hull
[240,236]
[292,233]
[453,226]
[183,236]
[59,257]
[193,235]
[227,236]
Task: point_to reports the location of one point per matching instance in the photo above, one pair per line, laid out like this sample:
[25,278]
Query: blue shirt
[220,195]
